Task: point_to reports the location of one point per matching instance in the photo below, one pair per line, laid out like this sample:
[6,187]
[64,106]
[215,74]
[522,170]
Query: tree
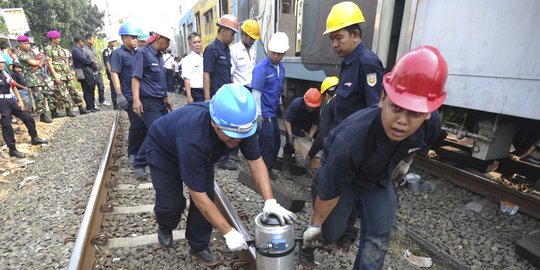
[71,17]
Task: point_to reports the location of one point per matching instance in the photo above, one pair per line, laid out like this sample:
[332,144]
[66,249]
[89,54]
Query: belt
[6,96]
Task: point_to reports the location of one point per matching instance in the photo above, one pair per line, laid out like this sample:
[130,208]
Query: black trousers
[88,87]
[9,107]
[136,133]
[171,203]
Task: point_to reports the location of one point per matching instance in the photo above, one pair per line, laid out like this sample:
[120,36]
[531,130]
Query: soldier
[106,54]
[64,78]
[34,78]
[8,108]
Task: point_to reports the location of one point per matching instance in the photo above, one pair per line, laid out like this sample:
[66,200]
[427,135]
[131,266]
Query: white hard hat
[164,32]
[279,43]
[110,39]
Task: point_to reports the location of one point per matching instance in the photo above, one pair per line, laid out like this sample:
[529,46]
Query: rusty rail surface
[231,216]
[528,204]
[82,256]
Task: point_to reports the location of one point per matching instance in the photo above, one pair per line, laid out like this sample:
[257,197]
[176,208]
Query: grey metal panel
[295,69]
[491,47]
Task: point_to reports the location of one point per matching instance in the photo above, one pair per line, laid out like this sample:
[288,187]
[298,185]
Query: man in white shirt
[243,54]
[192,70]
[168,60]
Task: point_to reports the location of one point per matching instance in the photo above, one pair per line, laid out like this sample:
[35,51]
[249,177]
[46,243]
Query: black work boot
[69,112]
[55,114]
[306,258]
[82,110]
[286,165]
[38,141]
[165,237]
[206,256]
[16,153]
[227,164]
[45,118]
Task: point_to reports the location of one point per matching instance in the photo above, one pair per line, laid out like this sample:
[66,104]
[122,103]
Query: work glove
[291,139]
[307,162]
[271,207]
[400,170]
[312,237]
[235,241]
[122,102]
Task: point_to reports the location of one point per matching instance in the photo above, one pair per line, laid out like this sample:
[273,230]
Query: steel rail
[82,257]
[528,204]
[231,216]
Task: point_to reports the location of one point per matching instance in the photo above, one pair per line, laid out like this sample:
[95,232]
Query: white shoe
[105,103]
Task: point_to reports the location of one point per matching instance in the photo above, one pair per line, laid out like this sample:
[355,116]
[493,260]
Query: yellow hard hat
[342,15]
[252,29]
[329,82]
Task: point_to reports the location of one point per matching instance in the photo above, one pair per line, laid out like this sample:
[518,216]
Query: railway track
[528,203]
[90,235]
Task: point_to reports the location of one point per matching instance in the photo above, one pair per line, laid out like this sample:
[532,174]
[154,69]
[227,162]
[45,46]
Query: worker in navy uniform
[217,66]
[326,117]
[301,120]
[266,86]
[360,154]
[361,70]
[8,108]
[148,85]
[121,61]
[182,148]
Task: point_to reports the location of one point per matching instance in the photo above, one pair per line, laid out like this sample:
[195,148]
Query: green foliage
[3,26]
[71,17]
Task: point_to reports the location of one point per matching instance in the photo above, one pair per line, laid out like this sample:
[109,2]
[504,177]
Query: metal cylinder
[274,243]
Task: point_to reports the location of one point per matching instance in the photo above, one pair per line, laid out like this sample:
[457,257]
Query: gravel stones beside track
[482,240]
[37,217]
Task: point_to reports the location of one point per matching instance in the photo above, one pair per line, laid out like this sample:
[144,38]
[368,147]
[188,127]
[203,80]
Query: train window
[287,6]
[208,22]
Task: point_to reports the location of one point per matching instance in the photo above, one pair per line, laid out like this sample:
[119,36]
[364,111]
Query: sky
[143,13]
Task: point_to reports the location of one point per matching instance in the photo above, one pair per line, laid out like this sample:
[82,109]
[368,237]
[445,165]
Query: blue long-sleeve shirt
[80,59]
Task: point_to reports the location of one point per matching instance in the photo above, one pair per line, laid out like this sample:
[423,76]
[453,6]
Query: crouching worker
[301,120]
[360,154]
[182,149]
[8,108]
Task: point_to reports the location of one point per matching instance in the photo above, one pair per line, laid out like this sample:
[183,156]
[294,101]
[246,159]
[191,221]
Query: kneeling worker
[182,149]
[362,151]
[301,120]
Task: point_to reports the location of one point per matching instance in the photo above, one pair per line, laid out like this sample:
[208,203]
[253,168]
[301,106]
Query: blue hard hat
[142,35]
[128,29]
[234,111]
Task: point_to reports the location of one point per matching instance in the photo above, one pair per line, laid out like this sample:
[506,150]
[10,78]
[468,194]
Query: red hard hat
[416,82]
[228,21]
[313,98]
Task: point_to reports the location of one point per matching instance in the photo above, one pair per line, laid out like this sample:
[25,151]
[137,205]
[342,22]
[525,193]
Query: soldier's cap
[17,64]
[23,39]
[2,59]
[54,34]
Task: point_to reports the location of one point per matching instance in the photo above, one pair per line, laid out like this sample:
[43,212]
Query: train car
[494,75]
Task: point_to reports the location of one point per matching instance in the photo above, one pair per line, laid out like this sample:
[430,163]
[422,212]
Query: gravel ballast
[39,216]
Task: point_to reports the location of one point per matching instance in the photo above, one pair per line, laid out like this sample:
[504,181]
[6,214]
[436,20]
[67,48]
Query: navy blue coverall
[182,148]
[121,62]
[357,161]
[301,121]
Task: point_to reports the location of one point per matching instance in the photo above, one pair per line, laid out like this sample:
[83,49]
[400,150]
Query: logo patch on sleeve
[371,79]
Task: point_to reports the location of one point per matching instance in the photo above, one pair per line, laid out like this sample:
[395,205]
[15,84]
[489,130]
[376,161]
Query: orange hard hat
[416,82]
[313,98]
[228,21]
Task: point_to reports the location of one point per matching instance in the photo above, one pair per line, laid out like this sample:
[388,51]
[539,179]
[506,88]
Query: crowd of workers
[369,126]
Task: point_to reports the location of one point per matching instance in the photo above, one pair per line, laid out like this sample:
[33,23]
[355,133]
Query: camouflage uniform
[41,92]
[60,61]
